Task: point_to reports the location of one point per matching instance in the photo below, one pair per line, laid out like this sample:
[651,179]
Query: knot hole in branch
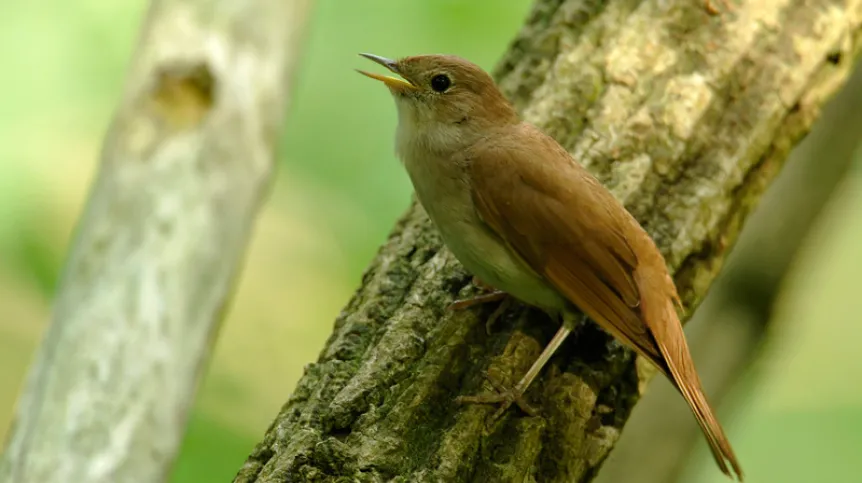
[183,94]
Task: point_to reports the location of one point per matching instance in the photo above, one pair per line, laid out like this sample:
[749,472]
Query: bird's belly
[442,191]
[484,255]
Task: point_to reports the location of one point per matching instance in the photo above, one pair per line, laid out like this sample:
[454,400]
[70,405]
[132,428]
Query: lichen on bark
[686,117]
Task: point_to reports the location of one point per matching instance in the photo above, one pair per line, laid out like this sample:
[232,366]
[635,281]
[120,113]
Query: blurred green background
[333,204]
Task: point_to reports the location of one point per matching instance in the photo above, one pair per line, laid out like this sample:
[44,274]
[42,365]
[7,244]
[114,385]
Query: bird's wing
[564,225]
[572,231]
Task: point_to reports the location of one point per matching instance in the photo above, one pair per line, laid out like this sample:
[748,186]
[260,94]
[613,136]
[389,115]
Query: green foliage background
[338,193]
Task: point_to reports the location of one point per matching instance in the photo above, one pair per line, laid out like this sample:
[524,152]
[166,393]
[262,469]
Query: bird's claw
[493,296]
[482,299]
[477,300]
[496,314]
[504,396]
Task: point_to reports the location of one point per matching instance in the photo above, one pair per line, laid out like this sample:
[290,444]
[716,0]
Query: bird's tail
[658,296]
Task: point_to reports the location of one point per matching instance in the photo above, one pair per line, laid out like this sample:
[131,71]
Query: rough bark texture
[183,170]
[731,327]
[687,118]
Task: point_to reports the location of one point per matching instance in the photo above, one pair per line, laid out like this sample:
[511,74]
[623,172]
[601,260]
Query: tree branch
[184,167]
[731,327]
[687,118]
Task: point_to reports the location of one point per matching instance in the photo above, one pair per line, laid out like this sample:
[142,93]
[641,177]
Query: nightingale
[524,217]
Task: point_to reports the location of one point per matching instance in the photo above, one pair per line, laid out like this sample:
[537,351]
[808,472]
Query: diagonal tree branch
[687,118]
[731,327]
[184,168]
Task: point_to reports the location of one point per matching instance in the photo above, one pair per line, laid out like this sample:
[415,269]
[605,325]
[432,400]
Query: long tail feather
[658,296]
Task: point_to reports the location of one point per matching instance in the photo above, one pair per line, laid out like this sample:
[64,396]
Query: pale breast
[444,193]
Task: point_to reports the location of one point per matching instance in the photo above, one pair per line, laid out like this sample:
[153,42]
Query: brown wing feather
[563,230]
[572,231]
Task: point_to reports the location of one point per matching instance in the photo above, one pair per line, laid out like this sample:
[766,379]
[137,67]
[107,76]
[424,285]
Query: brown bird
[523,216]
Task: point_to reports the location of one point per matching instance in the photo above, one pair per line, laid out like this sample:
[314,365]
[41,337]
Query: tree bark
[731,327]
[686,118]
[184,167]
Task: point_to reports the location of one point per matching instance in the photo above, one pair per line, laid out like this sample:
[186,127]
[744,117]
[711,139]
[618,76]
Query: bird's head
[445,97]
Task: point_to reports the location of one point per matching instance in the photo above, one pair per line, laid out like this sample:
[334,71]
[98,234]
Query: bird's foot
[462,304]
[504,396]
[507,301]
[494,296]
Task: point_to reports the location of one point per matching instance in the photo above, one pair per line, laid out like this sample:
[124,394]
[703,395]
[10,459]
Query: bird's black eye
[440,82]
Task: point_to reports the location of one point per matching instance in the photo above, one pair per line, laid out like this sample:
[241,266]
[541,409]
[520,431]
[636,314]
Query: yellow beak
[391,82]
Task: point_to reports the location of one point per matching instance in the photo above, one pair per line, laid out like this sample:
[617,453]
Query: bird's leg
[497,313]
[477,300]
[494,296]
[505,397]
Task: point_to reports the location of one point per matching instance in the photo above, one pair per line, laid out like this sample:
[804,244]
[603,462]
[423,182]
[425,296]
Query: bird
[523,216]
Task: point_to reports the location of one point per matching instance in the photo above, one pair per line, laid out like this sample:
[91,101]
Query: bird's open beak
[392,82]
